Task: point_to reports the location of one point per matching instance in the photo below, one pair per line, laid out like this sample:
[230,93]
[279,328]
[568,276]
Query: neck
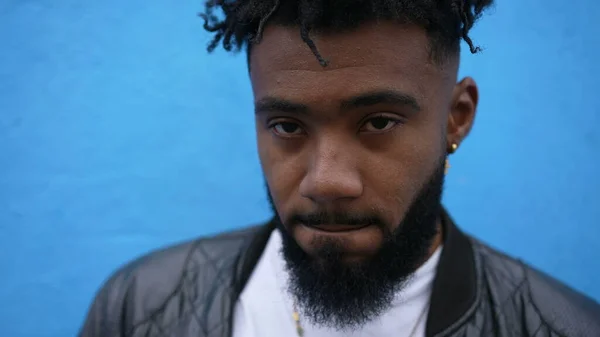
[436,242]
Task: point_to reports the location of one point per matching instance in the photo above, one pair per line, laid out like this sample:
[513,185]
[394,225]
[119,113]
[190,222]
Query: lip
[333,228]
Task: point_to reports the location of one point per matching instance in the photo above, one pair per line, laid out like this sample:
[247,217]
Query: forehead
[373,57]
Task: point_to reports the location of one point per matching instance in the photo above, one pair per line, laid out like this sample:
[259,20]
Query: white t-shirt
[265,308]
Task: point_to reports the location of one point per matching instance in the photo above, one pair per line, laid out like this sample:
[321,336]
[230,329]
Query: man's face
[348,149]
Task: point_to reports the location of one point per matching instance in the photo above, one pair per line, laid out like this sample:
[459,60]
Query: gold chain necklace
[296,316]
[300,329]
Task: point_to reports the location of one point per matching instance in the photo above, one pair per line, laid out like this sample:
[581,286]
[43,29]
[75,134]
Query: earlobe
[462,110]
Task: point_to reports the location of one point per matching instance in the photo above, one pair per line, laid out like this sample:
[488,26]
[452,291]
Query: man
[357,108]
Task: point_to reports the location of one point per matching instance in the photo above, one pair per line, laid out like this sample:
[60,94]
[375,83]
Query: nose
[332,176]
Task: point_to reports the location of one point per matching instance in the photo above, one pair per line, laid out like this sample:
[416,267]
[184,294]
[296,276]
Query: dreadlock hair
[445,21]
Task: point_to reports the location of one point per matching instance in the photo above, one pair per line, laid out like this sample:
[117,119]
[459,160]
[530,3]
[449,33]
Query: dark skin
[362,134]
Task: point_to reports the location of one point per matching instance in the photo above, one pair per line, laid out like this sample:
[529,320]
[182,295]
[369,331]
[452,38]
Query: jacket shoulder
[567,311]
[135,291]
[556,306]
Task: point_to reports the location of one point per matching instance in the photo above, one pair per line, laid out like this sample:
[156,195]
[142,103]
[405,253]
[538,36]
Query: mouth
[335,228]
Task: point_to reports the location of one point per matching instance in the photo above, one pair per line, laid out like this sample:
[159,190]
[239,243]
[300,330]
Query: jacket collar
[455,288]
[454,293]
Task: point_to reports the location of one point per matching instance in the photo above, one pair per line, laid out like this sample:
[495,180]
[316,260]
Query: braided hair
[445,21]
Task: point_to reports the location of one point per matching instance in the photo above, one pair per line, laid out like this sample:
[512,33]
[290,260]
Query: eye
[380,124]
[286,129]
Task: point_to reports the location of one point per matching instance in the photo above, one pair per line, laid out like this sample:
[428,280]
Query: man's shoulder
[515,283]
[162,269]
[146,283]
[173,259]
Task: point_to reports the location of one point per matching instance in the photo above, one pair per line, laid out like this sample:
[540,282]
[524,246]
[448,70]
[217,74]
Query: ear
[462,111]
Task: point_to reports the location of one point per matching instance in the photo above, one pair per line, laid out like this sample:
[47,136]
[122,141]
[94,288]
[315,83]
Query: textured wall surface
[119,134]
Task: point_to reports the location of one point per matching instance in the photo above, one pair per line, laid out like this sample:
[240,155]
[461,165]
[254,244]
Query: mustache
[323,217]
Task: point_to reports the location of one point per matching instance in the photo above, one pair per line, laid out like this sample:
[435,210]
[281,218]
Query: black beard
[345,296]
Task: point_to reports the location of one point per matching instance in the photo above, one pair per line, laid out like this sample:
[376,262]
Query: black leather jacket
[190,290]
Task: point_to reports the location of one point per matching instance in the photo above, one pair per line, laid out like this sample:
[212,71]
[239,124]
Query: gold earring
[452,149]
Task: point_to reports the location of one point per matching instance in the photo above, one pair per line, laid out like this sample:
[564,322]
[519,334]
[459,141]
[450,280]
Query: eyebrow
[381,97]
[274,104]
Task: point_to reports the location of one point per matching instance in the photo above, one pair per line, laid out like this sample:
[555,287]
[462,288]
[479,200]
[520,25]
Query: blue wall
[119,134]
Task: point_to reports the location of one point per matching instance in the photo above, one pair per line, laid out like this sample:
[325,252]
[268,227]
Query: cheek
[399,175]
[282,170]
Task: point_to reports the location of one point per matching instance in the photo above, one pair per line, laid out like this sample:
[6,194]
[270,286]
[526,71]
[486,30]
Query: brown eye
[286,129]
[380,124]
